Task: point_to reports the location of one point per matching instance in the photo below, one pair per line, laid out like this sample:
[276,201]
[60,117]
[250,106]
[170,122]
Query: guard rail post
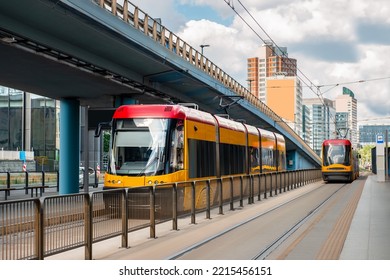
[241,192]
[88,236]
[39,229]
[220,204]
[253,188]
[174,207]
[26,182]
[208,202]
[259,194]
[295,179]
[193,210]
[152,194]
[276,182]
[125,218]
[43,183]
[58,181]
[231,193]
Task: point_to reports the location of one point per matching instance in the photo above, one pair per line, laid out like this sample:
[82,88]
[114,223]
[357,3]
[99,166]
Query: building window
[11,107]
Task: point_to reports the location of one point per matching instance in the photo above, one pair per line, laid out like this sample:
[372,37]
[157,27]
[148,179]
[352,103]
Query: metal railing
[28,181]
[152,28]
[36,228]
[37,181]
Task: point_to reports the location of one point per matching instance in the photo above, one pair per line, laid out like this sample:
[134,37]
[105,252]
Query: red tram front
[339,161]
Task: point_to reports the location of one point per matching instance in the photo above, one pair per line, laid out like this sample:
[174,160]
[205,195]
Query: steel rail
[268,248]
[283,237]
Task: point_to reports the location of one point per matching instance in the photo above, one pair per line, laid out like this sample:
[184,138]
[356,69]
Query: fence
[36,228]
[30,181]
[27,181]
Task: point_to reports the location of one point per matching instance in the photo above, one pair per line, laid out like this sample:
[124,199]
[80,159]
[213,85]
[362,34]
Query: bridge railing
[37,228]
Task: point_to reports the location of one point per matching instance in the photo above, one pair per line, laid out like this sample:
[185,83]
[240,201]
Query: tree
[106,141]
[365,155]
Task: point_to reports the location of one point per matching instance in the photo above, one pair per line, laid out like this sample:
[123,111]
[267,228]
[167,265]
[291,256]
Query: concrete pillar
[69,146]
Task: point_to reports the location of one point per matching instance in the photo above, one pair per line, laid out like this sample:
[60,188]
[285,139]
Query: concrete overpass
[98,54]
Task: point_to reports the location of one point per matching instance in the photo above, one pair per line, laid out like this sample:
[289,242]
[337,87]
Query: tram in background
[156,144]
[340,161]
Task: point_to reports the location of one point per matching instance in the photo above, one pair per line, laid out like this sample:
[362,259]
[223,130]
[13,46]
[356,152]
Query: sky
[337,43]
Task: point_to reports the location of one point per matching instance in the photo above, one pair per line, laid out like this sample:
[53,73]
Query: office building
[284,97]
[322,124]
[269,61]
[307,125]
[368,133]
[342,125]
[346,103]
[29,122]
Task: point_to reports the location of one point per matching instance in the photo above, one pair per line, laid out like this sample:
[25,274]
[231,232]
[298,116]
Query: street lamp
[203,46]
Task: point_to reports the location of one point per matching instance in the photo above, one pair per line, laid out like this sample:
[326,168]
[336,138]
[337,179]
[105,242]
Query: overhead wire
[310,84]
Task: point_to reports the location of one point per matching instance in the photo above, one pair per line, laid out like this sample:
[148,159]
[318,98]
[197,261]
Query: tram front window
[138,147]
[336,154]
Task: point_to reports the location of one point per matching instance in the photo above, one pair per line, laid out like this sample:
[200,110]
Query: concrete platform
[369,234]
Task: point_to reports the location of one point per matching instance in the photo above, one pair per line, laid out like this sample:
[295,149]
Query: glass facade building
[29,122]
[322,121]
[11,119]
[368,133]
[44,127]
[342,125]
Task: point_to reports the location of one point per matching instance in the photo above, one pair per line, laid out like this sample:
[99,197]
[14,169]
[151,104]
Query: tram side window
[232,158]
[268,160]
[254,159]
[202,162]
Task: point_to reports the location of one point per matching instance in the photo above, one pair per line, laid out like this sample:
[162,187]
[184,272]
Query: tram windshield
[138,147]
[336,154]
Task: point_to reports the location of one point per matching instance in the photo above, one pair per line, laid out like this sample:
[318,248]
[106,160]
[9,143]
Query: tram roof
[182,112]
[163,111]
[336,142]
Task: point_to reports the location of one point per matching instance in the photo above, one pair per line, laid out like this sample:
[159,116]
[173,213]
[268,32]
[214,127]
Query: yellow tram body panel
[116,181]
[200,131]
[228,136]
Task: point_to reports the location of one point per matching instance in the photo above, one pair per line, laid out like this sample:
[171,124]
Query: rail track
[313,225]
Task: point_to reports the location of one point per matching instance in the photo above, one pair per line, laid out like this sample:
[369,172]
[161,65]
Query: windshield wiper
[142,172]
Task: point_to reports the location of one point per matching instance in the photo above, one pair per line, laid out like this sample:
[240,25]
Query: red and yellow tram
[339,160]
[164,144]
[155,144]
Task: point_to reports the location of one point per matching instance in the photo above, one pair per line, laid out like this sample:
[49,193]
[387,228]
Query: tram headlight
[115,182]
[150,182]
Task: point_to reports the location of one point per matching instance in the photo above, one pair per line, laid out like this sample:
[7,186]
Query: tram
[160,144]
[339,161]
